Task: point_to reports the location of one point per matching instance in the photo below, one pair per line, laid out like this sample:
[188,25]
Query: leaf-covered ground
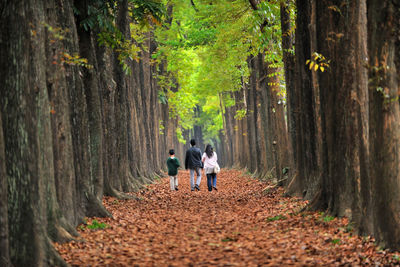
[244,223]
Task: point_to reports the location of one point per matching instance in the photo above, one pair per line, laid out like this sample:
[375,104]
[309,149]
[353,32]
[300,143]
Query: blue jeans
[198,180]
[211,181]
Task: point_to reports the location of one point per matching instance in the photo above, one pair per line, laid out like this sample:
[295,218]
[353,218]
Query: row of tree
[80,120]
[73,126]
[340,135]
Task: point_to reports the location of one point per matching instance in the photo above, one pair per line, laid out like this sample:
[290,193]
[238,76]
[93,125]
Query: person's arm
[186,159]
[177,163]
[204,157]
[199,154]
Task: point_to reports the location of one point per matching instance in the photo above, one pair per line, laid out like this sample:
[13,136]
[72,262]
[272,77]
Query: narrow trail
[241,224]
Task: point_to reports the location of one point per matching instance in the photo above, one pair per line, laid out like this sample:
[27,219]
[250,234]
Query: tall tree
[384,73]
[301,103]
[32,204]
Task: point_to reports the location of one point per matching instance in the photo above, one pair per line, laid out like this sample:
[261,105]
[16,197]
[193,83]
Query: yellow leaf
[322,69]
[308,61]
[311,65]
[316,67]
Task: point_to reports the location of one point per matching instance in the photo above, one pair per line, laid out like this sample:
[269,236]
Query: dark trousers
[211,180]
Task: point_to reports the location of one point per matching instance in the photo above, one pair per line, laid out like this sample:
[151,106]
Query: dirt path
[239,225]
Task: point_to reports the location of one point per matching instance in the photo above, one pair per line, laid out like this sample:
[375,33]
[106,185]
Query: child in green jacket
[173,165]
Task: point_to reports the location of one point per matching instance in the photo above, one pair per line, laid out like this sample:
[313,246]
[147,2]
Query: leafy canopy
[205,46]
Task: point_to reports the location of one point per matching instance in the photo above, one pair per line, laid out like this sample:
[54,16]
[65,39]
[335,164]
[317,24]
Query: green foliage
[97,225]
[161,127]
[328,218]
[336,241]
[240,114]
[202,51]
[202,57]
[141,10]
[101,15]
[325,218]
[179,135]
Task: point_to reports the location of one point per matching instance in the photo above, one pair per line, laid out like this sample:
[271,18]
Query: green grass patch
[276,218]
[328,218]
[97,225]
[325,218]
[336,241]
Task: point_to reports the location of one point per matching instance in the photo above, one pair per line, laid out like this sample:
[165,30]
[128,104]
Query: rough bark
[92,93]
[384,73]
[252,162]
[289,65]
[4,246]
[107,95]
[58,92]
[266,120]
[88,203]
[26,127]
[121,116]
[301,106]
[344,105]
[279,137]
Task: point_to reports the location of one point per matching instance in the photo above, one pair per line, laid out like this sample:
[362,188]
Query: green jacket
[173,164]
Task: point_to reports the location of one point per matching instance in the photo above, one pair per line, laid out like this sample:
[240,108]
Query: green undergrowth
[94,225]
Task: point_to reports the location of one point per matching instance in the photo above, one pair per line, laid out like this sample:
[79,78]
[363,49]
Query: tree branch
[194,6]
[253,4]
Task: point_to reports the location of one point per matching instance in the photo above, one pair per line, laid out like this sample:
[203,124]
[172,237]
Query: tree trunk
[87,50]
[344,105]
[252,161]
[4,246]
[26,125]
[279,136]
[289,65]
[88,203]
[107,95]
[301,106]
[121,115]
[266,113]
[384,73]
[58,91]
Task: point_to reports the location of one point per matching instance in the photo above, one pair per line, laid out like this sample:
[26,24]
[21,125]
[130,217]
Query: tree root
[95,208]
[52,256]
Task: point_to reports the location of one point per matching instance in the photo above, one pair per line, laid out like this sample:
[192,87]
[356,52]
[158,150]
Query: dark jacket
[193,158]
[173,165]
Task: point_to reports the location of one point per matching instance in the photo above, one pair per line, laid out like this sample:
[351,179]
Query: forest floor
[245,223]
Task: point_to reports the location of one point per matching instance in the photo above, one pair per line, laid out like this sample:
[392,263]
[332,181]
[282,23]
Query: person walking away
[173,165]
[210,159]
[194,164]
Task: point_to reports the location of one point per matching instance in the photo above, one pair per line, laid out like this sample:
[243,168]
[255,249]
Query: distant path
[239,225]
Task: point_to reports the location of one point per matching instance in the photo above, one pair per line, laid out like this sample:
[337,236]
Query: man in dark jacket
[194,164]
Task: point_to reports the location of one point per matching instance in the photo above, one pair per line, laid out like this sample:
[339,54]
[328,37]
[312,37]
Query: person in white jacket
[211,167]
